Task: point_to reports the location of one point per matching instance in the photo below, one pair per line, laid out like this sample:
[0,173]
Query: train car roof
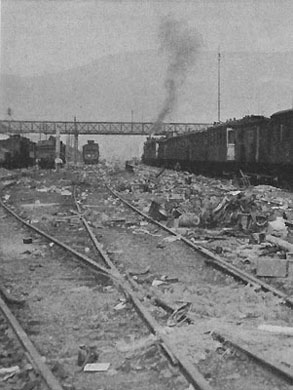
[288,112]
[247,120]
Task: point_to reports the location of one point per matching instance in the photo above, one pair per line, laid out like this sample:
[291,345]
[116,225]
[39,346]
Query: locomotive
[46,153]
[91,152]
[254,144]
[17,152]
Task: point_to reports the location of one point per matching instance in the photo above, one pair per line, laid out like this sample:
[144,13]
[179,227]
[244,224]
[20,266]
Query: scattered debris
[66,193]
[135,345]
[172,238]
[8,372]
[28,240]
[87,354]
[272,267]
[278,228]
[189,220]
[179,315]
[157,282]
[157,211]
[121,305]
[146,271]
[287,330]
[280,243]
[145,231]
[96,367]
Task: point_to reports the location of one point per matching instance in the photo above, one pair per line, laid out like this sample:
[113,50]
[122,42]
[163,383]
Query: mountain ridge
[110,88]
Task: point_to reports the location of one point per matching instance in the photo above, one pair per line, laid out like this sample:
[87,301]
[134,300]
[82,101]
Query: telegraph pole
[75,141]
[131,120]
[219,86]
[57,146]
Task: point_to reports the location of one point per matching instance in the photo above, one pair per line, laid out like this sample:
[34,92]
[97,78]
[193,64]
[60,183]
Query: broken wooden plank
[272,267]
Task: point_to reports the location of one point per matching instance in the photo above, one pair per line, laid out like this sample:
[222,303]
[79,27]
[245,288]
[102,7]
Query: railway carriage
[280,141]
[255,143]
[212,149]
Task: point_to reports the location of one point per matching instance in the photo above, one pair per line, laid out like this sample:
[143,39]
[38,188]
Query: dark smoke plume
[181,45]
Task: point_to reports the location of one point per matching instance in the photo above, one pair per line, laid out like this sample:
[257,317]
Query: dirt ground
[67,306]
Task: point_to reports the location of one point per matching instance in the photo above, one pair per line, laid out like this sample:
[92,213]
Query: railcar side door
[230,144]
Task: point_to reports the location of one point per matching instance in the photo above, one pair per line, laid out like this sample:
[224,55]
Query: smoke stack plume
[181,45]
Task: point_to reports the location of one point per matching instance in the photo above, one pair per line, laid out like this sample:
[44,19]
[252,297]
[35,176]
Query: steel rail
[34,355]
[185,365]
[267,363]
[96,243]
[86,260]
[191,373]
[211,257]
[188,369]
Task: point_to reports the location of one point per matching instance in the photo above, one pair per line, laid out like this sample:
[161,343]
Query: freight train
[91,152]
[254,144]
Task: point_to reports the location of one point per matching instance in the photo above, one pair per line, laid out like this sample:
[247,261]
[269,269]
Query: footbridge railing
[118,128]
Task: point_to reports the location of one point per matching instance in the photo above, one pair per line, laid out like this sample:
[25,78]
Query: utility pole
[219,86]
[75,141]
[131,120]
[9,113]
[57,146]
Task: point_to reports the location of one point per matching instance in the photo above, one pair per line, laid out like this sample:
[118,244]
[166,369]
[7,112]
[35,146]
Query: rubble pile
[248,226]
[3,173]
[197,201]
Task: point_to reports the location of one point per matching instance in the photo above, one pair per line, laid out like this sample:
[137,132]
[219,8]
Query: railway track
[109,273]
[31,353]
[213,259]
[135,290]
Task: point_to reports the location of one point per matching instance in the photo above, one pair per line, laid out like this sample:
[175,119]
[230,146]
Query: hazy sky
[56,59]
[44,36]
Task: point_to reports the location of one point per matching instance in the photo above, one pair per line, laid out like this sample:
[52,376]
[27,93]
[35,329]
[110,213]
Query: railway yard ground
[193,292]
